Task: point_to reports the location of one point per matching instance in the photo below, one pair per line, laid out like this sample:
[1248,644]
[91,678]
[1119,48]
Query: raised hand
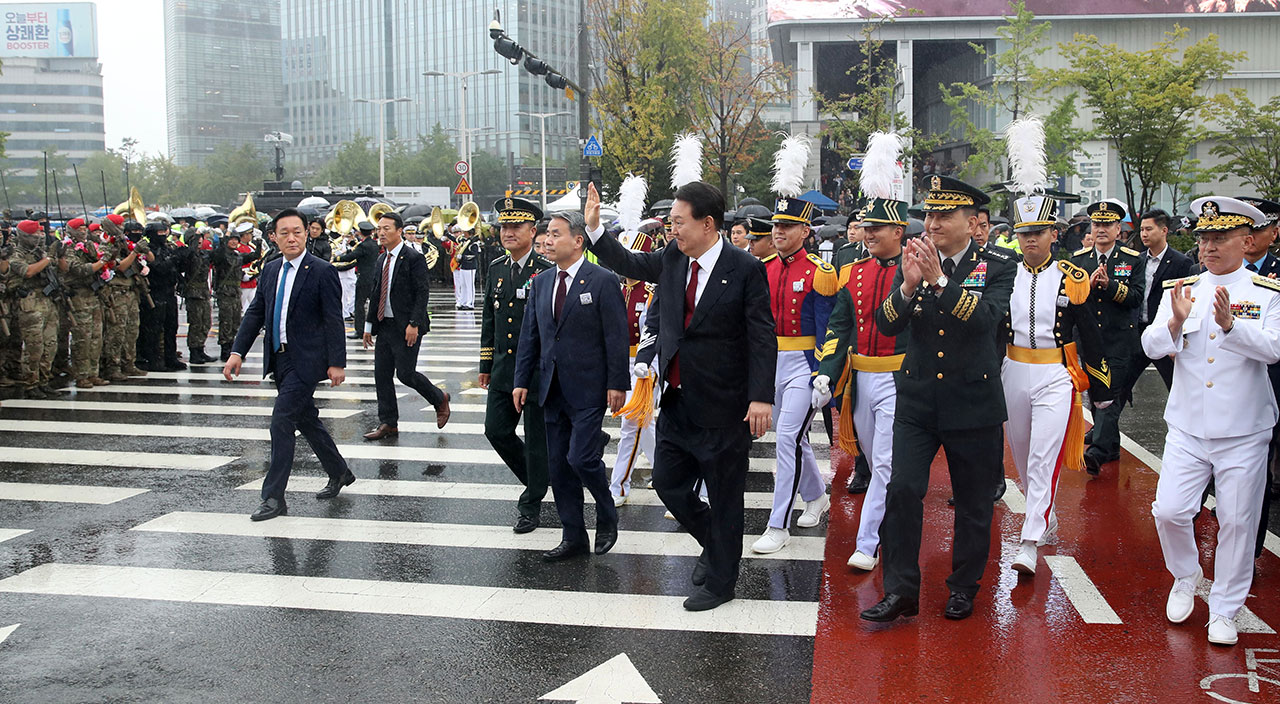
[1180,301]
[1222,309]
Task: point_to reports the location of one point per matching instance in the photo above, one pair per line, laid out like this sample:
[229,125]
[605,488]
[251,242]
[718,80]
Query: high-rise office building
[222,74]
[339,51]
[51,84]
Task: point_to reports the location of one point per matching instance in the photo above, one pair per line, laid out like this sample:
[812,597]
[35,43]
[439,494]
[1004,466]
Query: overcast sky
[131,49]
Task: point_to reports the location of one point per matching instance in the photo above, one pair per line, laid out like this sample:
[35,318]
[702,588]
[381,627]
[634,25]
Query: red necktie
[690,301]
[382,299]
[562,289]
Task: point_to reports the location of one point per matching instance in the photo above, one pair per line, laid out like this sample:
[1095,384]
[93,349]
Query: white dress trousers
[874,404]
[796,468]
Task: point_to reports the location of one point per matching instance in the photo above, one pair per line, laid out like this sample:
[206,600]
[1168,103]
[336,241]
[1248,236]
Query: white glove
[821,391]
[640,370]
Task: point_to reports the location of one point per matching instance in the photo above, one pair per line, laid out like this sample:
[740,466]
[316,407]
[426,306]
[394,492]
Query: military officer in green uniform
[508,284]
[1117,277]
[32,279]
[949,297]
[82,272]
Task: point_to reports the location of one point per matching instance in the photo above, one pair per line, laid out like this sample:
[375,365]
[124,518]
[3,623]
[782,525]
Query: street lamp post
[542,118]
[462,77]
[382,135]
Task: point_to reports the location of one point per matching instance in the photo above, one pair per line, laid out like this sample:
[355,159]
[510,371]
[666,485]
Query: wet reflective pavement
[140,577]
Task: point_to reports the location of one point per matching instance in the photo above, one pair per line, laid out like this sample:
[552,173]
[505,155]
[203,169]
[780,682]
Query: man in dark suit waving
[575,335]
[717,354]
[398,317]
[299,304]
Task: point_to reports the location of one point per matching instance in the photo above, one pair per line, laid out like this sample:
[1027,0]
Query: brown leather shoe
[443,412]
[382,431]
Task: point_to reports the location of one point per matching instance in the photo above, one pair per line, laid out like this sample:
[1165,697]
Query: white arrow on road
[4,633]
[616,681]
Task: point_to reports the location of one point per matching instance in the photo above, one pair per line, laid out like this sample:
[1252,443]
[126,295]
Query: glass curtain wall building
[222,74]
[337,51]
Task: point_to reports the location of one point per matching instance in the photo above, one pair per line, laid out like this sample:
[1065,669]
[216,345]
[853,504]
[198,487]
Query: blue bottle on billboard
[66,40]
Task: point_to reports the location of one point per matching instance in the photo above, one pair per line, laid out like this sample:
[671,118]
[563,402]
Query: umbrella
[312,211]
[366,202]
[177,213]
[158,217]
[313,202]
[818,199]
[205,211]
[416,211]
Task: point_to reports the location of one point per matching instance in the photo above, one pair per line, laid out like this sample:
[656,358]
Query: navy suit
[579,358]
[316,342]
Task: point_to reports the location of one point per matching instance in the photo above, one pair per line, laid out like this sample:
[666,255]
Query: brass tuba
[468,216]
[436,221]
[245,213]
[133,207]
[378,210]
[346,214]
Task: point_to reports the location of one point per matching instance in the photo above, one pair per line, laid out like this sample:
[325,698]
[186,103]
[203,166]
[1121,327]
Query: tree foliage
[1249,142]
[1150,104]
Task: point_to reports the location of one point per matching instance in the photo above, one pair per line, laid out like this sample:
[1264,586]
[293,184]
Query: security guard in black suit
[950,297]
[1117,276]
[365,256]
[507,288]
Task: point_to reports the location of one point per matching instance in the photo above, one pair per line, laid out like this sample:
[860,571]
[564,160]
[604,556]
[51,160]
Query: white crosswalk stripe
[11,533]
[66,493]
[1081,591]
[166,408]
[252,387]
[112,458]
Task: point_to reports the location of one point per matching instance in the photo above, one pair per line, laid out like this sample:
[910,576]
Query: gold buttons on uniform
[509,320]
[510,351]
[939,375]
[1211,360]
[942,332]
[508,336]
[1213,336]
[1209,384]
[940,355]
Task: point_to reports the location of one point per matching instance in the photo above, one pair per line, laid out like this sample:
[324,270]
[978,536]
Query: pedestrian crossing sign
[463,189]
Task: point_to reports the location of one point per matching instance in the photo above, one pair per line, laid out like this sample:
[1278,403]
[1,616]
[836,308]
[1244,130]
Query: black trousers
[575,460]
[527,458]
[295,410]
[686,453]
[363,289]
[975,459]
[151,331]
[1104,438]
[393,359]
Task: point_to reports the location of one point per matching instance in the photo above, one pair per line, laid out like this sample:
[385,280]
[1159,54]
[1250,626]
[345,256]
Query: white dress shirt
[573,274]
[392,256]
[1153,263]
[290,277]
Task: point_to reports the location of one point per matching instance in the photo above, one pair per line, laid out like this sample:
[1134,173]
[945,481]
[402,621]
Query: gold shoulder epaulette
[770,258]
[651,288]
[1075,282]
[1084,250]
[1266,282]
[1186,280]
[1131,252]
[859,261]
[825,281]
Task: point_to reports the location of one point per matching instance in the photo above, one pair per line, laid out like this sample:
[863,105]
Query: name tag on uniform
[1063,301]
[521,293]
[1246,310]
[797,286]
[639,307]
[585,299]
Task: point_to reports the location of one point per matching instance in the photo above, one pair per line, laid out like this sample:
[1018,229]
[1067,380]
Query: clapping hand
[1099,277]
[1222,309]
[1180,302]
[911,272]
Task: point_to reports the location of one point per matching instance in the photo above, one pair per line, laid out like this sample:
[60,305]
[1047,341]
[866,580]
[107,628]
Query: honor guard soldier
[31,283]
[1222,329]
[82,271]
[949,299]
[802,291]
[1053,352]
[760,239]
[1117,276]
[466,253]
[506,293]
[863,361]
[636,438]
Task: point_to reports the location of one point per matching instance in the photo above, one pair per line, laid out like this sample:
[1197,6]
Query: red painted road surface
[1026,642]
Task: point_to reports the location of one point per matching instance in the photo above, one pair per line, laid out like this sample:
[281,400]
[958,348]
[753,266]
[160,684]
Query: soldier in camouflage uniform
[33,282]
[227,262]
[195,292]
[8,332]
[121,296]
[82,273]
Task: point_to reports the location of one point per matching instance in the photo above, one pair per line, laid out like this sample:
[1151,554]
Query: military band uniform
[467,254]
[506,293]
[365,256]
[634,440]
[1116,308]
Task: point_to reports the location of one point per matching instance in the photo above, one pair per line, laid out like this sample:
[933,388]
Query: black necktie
[948,267]
[1102,261]
[1252,267]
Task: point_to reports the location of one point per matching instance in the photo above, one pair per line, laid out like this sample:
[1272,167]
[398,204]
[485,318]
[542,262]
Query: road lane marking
[110,458]
[1080,590]
[8,631]
[11,533]
[474,491]
[1013,498]
[450,535]
[217,376]
[457,601]
[66,493]
[251,387]
[1246,620]
[166,408]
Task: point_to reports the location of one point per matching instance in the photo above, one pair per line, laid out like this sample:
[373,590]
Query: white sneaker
[1222,630]
[1025,562]
[773,540]
[1050,533]
[862,561]
[620,500]
[813,510]
[1182,598]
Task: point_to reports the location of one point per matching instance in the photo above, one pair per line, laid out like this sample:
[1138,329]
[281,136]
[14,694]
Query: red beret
[116,219]
[75,223]
[28,227]
[94,227]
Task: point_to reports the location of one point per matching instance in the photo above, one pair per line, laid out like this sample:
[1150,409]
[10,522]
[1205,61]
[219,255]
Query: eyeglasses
[1216,239]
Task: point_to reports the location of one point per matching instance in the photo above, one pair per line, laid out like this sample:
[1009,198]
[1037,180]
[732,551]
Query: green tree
[227,172]
[355,164]
[1018,86]
[1248,142]
[650,57]
[730,98]
[1148,104]
[489,178]
[756,178]
[431,164]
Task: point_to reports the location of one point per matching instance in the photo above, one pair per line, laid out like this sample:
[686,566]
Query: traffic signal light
[505,46]
[556,81]
[536,66]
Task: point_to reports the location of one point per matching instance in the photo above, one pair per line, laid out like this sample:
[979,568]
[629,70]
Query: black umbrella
[416,210]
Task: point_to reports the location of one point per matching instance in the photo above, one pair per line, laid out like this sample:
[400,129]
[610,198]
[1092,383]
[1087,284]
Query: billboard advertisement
[49,30]
[785,10]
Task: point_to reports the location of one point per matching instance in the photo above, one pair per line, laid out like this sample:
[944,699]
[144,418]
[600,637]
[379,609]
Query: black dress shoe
[859,483]
[890,608]
[174,365]
[951,501]
[270,509]
[1093,463]
[526,524]
[705,600]
[1000,488]
[699,577]
[959,606]
[331,489]
[605,539]
[565,551]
